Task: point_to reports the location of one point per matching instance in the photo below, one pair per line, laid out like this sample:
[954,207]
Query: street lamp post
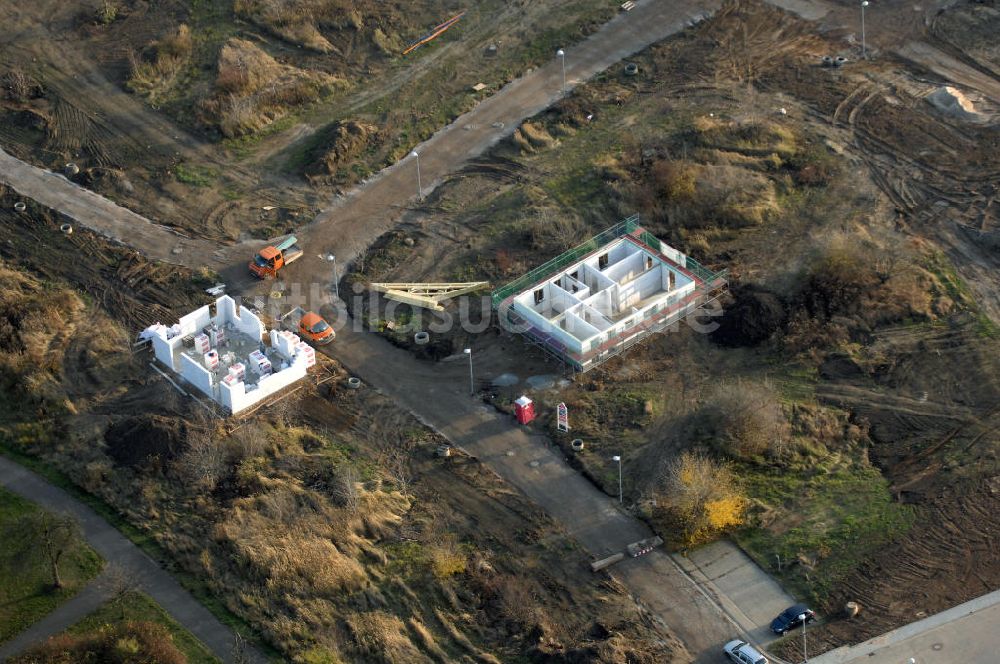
[420,188]
[330,258]
[864,47]
[617,458]
[805,657]
[562,57]
[472,382]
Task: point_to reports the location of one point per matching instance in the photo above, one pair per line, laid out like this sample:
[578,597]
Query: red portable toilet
[524,409]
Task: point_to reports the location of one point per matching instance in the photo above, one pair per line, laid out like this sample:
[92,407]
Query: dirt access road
[114,547]
[352,223]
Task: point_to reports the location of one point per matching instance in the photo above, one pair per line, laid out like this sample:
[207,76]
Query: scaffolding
[709,285]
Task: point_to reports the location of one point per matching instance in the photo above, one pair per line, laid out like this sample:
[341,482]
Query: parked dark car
[789,618]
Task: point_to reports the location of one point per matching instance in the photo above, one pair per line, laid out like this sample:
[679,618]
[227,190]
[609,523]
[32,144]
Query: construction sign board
[562,413]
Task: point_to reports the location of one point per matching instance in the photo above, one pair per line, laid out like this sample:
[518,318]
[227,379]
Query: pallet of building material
[642,547]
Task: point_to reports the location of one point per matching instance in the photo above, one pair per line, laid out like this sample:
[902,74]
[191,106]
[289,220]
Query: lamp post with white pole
[420,188]
[617,458]
[330,258]
[864,47]
[472,382]
[805,657]
[562,57]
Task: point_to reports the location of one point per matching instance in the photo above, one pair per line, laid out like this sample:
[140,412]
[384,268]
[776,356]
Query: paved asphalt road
[81,605]
[707,600]
[113,546]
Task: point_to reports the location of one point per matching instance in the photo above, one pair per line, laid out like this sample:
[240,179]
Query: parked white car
[742,652]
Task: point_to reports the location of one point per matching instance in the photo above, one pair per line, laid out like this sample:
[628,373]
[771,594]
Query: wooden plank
[415,300]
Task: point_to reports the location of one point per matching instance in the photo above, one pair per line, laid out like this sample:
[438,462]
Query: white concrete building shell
[236,335]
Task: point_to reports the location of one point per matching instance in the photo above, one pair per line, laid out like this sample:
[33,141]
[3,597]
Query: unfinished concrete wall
[197,375]
[163,348]
[673,254]
[194,322]
[243,320]
[545,325]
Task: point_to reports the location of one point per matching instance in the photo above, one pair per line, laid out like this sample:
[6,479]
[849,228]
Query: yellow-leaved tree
[699,498]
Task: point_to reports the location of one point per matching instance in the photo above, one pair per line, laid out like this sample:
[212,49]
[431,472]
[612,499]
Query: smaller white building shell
[235,335]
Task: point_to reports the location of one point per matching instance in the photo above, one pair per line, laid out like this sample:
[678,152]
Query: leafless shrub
[204,461]
[745,420]
[551,231]
[518,603]
[397,465]
[344,489]
[251,440]
[18,84]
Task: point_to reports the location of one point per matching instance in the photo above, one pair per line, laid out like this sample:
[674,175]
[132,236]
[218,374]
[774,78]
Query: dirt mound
[145,439]
[345,141]
[253,90]
[756,314]
[954,102]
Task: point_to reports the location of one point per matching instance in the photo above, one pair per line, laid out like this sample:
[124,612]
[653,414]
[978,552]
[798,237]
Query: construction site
[605,295]
[323,309]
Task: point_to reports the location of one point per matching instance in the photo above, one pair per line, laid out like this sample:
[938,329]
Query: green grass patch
[26,592]
[822,523]
[136,606]
[194,175]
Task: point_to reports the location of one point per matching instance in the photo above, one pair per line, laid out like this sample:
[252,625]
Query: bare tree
[53,534]
[120,581]
[240,653]
[746,419]
[282,410]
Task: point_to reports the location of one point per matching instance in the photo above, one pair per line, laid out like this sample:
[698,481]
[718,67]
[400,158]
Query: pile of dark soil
[145,440]
[755,314]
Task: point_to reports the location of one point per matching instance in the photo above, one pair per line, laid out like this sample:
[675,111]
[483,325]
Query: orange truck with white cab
[272,258]
[308,325]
